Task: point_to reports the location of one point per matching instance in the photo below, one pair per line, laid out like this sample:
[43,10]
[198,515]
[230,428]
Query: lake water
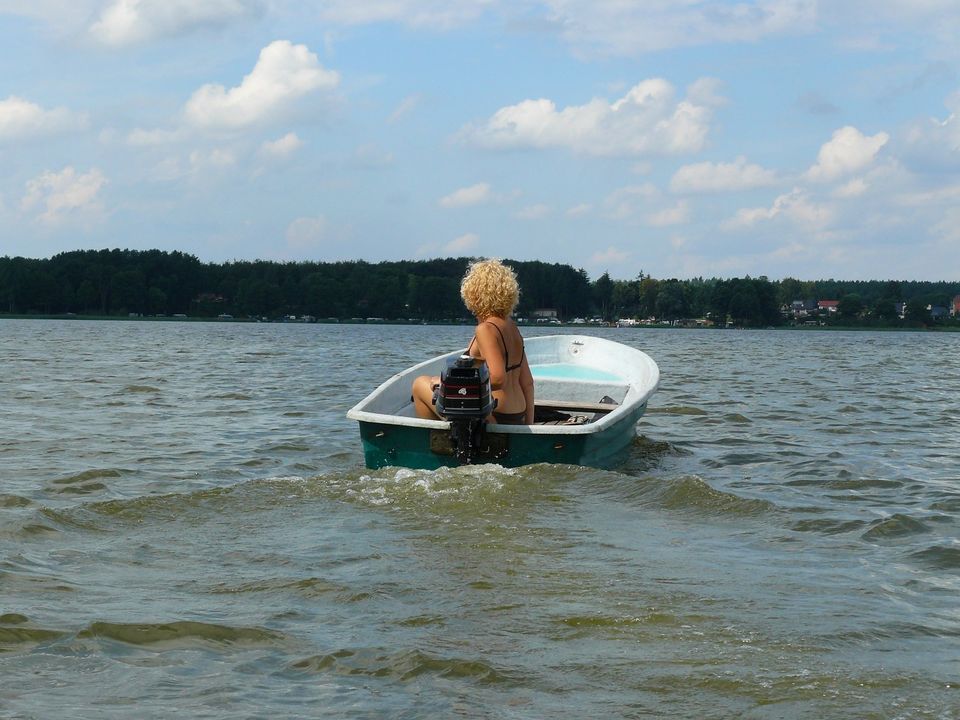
[187,530]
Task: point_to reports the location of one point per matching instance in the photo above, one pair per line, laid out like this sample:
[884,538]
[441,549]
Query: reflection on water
[185,517]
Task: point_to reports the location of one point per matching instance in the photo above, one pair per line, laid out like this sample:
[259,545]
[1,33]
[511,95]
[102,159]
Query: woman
[490,292]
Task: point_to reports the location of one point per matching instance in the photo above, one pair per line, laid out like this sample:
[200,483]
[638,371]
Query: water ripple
[403,666]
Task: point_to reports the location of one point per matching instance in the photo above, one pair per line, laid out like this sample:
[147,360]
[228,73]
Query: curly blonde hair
[490,288]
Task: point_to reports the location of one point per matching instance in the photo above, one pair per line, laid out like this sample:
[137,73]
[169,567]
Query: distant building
[829,306]
[802,308]
[955,306]
[546,313]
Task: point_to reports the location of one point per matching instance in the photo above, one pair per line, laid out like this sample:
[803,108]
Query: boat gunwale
[616,413]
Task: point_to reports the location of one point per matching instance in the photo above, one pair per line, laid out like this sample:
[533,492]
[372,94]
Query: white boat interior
[592,379]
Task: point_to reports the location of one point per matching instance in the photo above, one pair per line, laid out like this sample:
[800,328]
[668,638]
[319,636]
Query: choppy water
[187,530]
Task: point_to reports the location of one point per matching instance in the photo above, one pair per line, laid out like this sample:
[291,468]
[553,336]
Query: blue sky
[680,138]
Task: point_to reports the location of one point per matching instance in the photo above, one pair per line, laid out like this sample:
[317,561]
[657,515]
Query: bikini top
[506,355]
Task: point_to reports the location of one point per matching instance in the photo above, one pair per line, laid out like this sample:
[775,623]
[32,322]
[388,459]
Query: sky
[676,138]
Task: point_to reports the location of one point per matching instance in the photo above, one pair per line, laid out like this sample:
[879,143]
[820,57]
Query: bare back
[498,342]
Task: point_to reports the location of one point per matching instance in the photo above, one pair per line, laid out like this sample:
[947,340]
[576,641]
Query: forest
[157,283]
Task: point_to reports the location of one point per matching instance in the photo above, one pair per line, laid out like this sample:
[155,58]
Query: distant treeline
[155,282]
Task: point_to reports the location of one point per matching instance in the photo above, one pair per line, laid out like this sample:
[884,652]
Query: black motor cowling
[465,399]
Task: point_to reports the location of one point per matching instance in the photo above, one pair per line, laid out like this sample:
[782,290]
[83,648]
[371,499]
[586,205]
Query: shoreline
[523,325]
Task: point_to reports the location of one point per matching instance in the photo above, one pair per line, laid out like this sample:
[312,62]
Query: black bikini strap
[506,356]
[503,341]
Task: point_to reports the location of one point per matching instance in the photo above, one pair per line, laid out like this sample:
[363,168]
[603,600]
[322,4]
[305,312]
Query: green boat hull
[426,449]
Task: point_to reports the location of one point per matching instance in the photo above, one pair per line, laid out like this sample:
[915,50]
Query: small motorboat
[590,392]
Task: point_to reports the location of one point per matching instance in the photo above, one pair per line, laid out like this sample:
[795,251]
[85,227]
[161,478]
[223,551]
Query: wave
[306,587]
[20,638]
[950,504]
[20,582]
[475,489]
[692,493]
[183,633]
[735,458]
[892,631]
[16,635]
[472,491]
[404,666]
[607,622]
[28,530]
[288,447]
[86,482]
[938,557]
[14,501]
[140,389]
[87,475]
[157,507]
[676,410]
[484,487]
[828,526]
[896,526]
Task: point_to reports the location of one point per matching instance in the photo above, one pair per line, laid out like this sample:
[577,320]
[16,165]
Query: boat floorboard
[576,405]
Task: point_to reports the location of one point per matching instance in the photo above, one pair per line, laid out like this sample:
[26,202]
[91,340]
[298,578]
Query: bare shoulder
[511,331]
[486,330]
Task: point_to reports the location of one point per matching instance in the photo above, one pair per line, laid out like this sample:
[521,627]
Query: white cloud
[533,212]
[625,202]
[706,91]
[281,147]
[127,22]
[167,170]
[307,233]
[370,155]
[438,14]
[882,24]
[852,189]
[947,231]
[215,159]
[848,151]
[612,256]
[710,177]
[579,210]
[468,196]
[949,194]
[62,17]
[676,215]
[936,143]
[615,27]
[283,73]
[591,27]
[21,118]
[647,120]
[147,138]
[406,106]
[796,206]
[59,194]
[462,244]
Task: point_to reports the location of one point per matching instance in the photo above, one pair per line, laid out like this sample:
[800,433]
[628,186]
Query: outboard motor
[464,398]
